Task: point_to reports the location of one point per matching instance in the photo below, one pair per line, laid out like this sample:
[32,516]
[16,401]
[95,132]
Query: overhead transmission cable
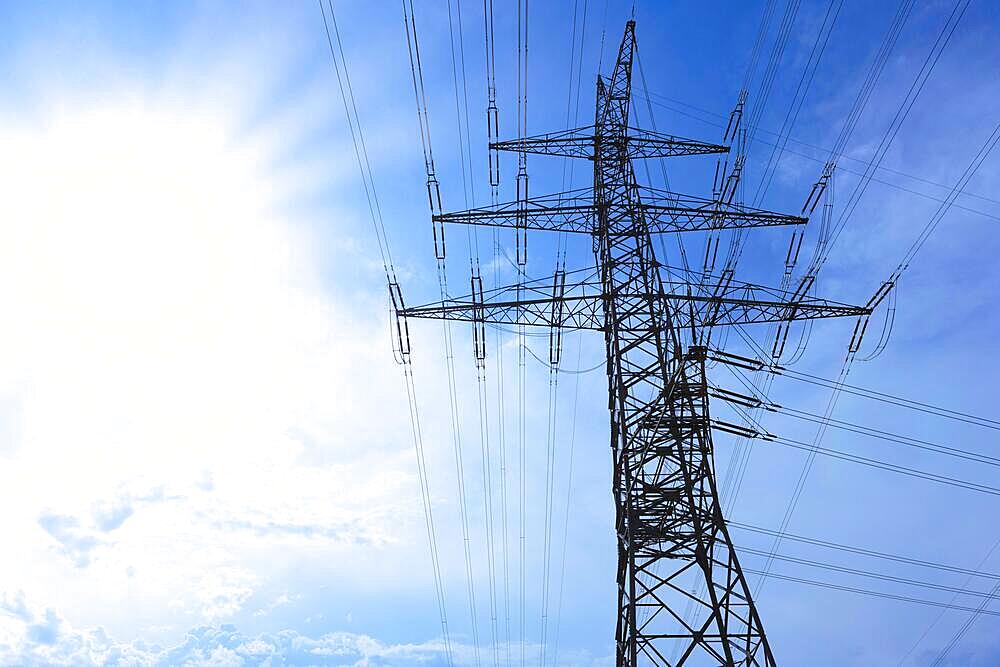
[920,406]
[358,141]
[815,449]
[820,258]
[868,574]
[890,467]
[465,155]
[903,265]
[957,637]
[492,132]
[840,168]
[578,53]
[774,61]
[762,30]
[805,81]
[957,189]
[888,436]
[823,252]
[555,354]
[871,553]
[434,200]
[738,136]
[964,629]
[521,243]
[550,454]
[468,191]
[798,98]
[867,592]
[825,182]
[757,109]
[916,87]
[890,285]
[569,494]
[741,450]
[856,390]
[378,226]
[760,401]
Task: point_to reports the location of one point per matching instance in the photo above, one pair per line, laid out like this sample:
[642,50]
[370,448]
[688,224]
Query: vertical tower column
[680,585]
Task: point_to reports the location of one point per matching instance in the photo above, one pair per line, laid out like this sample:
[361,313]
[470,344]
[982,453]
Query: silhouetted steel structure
[675,554]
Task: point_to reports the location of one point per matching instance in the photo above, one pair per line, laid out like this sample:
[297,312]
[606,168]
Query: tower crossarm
[734,302]
[580,142]
[576,312]
[571,211]
[581,306]
[530,303]
[664,212]
[669,211]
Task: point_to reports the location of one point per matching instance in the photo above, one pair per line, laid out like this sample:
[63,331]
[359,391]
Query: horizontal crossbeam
[581,306]
[663,212]
[580,142]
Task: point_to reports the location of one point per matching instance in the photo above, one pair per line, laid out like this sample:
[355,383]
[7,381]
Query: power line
[868,592]
[861,551]
[916,87]
[667,102]
[890,467]
[822,247]
[777,52]
[813,449]
[358,141]
[959,187]
[460,474]
[961,632]
[468,185]
[550,454]
[378,226]
[799,97]
[883,397]
[464,148]
[493,162]
[825,246]
[555,354]
[418,444]
[809,562]
[759,363]
[434,202]
[762,30]
[889,436]
[569,494]
[841,168]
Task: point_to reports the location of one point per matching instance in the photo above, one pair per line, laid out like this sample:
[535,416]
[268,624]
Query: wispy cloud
[74,541]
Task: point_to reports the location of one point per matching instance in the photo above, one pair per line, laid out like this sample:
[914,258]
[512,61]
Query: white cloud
[30,637]
[223,593]
[74,540]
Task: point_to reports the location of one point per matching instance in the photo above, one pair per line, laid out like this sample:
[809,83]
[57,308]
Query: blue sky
[205,454]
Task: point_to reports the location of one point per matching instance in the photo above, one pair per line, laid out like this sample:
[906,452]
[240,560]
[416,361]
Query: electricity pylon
[681,590]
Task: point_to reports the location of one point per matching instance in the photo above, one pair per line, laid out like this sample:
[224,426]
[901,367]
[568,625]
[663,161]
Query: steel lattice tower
[682,595]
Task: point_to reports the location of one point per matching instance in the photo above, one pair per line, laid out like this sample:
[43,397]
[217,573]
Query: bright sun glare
[160,342]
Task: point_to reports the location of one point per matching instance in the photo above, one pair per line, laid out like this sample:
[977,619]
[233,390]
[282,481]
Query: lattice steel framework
[682,597]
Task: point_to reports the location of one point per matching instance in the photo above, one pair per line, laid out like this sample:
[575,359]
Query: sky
[206,454]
